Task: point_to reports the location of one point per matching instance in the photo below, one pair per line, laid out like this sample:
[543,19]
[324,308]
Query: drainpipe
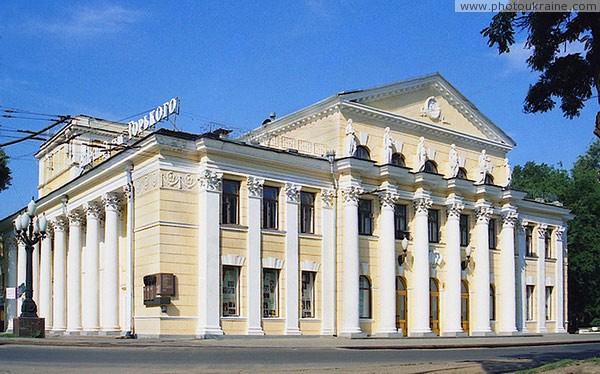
[331,157]
[130,215]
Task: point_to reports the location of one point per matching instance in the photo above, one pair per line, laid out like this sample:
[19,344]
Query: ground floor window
[270,293]
[548,303]
[492,303]
[364,301]
[308,294]
[530,303]
[230,295]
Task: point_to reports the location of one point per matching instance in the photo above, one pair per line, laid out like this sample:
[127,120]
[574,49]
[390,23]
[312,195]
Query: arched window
[434,305]
[362,152]
[492,303]
[489,178]
[430,167]
[364,302]
[462,173]
[398,159]
[464,305]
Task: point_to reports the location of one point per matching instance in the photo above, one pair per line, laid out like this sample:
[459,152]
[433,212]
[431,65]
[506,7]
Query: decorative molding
[422,204]
[327,196]
[388,198]
[112,201]
[232,260]
[146,183]
[352,194]
[455,209]
[210,181]
[292,192]
[542,229]
[94,209]
[60,223]
[510,218]
[523,225]
[309,266]
[76,218]
[255,186]
[272,263]
[178,181]
[484,213]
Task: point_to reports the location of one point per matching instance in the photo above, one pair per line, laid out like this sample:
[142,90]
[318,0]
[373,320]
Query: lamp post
[29,231]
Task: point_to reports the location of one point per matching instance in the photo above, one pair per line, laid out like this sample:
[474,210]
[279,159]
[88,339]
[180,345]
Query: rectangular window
[270,293]
[308,294]
[365,217]
[230,296]
[548,244]
[307,212]
[400,226]
[270,206]
[530,303]
[434,225]
[548,303]
[229,202]
[464,230]
[364,297]
[492,233]
[529,242]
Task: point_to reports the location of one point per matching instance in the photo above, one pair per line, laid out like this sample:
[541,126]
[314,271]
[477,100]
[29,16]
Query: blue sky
[234,62]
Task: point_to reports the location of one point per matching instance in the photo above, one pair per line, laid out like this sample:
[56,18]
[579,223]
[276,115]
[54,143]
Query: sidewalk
[309,342]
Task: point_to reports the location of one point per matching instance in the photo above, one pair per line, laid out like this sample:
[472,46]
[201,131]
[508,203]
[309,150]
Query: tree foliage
[5,176]
[579,190]
[569,77]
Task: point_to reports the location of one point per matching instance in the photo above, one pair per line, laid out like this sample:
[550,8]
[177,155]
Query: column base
[561,330]
[483,333]
[29,327]
[208,332]
[90,332]
[542,330]
[327,332]
[389,334]
[353,334]
[109,332]
[453,334]
[508,333]
[58,330]
[255,331]
[292,331]
[421,334]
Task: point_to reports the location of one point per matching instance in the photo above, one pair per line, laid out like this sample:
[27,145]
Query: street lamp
[402,257]
[465,262]
[29,231]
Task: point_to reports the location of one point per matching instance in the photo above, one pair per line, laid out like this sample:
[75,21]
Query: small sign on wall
[11,293]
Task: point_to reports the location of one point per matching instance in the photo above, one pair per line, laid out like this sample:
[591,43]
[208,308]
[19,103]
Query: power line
[36,133]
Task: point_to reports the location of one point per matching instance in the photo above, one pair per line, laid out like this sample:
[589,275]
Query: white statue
[421,154]
[453,162]
[388,147]
[508,173]
[482,167]
[350,144]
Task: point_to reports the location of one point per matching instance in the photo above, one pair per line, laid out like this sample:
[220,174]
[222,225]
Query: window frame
[364,290]
[548,301]
[433,225]
[530,302]
[430,167]
[361,152]
[267,291]
[492,234]
[401,222]
[307,213]
[398,159]
[492,302]
[548,244]
[529,252]
[237,272]
[464,230]
[365,217]
[270,206]
[312,275]
[226,199]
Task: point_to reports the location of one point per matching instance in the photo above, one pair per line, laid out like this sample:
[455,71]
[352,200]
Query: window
[365,217]
[308,294]
[230,202]
[530,304]
[489,179]
[548,303]
[492,303]
[492,233]
[434,225]
[307,212]
[462,173]
[529,242]
[430,167]
[230,295]
[270,196]
[548,244]
[362,152]
[464,230]
[270,293]
[400,228]
[398,159]
[364,301]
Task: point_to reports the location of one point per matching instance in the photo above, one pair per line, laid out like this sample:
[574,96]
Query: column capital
[112,201]
[351,195]
[523,225]
[94,210]
[542,229]
[292,192]
[327,196]
[76,218]
[60,223]
[510,217]
[255,186]
[454,209]
[484,212]
[560,231]
[388,198]
[422,204]
[210,181]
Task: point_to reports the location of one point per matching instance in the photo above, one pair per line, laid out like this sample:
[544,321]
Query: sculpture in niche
[432,109]
[388,146]
[351,144]
[453,162]
[421,154]
[484,167]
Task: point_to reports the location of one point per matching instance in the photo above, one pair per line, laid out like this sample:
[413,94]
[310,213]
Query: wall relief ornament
[255,186]
[209,181]
[455,209]
[352,194]
[432,109]
[510,218]
[327,196]
[179,181]
[146,183]
[292,192]
[388,198]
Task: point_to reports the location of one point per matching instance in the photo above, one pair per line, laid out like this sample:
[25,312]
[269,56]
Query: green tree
[541,181]
[569,77]
[5,176]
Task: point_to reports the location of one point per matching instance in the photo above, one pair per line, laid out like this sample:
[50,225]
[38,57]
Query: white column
[540,284]
[110,311]
[387,266]
[91,296]
[521,287]
[350,261]
[35,259]
[21,272]
[45,292]
[59,287]
[76,221]
[452,296]
[329,266]
[254,289]
[11,305]
[559,290]
[506,291]
[292,193]
[209,268]
[481,278]
[419,313]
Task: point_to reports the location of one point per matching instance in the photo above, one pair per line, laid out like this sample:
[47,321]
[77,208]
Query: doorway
[434,306]
[401,305]
[464,306]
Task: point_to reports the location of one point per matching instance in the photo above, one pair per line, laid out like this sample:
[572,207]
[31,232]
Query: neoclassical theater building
[379,212]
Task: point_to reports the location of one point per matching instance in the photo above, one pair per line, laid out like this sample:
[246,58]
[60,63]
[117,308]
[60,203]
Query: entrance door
[401,305]
[464,306]
[434,306]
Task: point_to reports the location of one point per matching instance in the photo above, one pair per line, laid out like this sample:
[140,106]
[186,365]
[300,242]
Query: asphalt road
[53,359]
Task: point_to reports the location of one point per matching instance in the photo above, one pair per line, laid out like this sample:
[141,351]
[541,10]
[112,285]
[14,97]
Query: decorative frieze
[292,192]
[209,181]
[255,186]
[179,181]
[147,183]
[422,204]
[352,194]
[327,196]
